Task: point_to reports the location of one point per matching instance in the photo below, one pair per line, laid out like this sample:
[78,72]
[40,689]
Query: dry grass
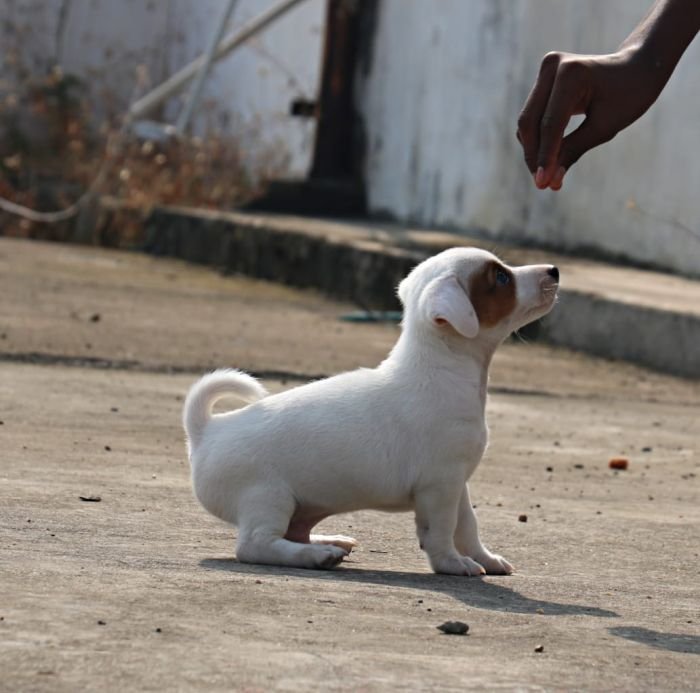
[52,147]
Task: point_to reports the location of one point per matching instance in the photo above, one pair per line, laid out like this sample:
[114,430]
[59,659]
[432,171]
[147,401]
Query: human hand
[611,90]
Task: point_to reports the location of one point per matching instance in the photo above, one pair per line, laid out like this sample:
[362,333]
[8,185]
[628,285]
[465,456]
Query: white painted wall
[101,41]
[440,103]
[247,95]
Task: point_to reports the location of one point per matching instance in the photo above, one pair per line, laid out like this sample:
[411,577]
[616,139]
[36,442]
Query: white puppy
[406,435]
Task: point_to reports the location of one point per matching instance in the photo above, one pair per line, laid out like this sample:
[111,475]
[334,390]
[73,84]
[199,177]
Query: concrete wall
[247,95]
[439,92]
[445,84]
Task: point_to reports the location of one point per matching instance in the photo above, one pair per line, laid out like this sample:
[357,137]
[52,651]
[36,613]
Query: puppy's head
[471,293]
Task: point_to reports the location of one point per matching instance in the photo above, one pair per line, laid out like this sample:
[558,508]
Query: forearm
[661,38]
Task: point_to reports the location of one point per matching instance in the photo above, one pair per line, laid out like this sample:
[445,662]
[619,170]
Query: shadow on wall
[473,592]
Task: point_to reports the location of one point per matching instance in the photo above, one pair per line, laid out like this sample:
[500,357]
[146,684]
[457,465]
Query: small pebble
[95,317]
[647,448]
[158,630]
[108,448]
[102,623]
[618,463]
[90,499]
[539,648]
[522,518]
[550,469]
[454,628]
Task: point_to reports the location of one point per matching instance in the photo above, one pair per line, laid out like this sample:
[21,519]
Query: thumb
[587,136]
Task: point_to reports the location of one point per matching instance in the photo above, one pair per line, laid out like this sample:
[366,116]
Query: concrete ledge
[666,341]
[353,269]
[645,317]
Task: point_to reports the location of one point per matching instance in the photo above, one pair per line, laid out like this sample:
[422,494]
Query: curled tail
[207,390]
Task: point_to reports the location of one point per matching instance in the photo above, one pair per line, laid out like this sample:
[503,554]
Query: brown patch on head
[492,296]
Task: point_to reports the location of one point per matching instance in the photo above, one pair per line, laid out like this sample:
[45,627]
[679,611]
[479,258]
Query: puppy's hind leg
[302,523]
[263,519]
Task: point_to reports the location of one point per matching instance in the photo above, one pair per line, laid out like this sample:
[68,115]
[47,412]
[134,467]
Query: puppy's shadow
[474,592]
[674,642]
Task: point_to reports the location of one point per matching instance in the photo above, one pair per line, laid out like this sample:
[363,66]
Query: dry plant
[51,150]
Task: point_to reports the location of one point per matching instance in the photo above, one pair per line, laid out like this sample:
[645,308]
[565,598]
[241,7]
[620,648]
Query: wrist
[655,65]
[661,38]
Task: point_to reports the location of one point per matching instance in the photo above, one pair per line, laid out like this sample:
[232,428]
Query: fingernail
[539,177]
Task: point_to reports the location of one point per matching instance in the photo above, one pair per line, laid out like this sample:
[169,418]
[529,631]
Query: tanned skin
[612,90]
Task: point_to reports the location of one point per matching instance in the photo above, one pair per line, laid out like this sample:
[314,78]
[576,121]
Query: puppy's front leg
[436,520]
[468,543]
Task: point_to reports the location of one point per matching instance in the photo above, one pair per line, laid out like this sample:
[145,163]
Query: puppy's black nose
[554,273]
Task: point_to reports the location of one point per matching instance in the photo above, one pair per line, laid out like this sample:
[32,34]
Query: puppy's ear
[445,301]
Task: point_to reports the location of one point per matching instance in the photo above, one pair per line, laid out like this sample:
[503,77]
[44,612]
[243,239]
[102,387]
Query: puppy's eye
[502,278]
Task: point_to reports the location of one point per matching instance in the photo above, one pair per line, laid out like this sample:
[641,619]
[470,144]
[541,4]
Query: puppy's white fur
[406,435]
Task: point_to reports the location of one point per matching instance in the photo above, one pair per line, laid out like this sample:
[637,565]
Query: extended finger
[560,107]
[528,133]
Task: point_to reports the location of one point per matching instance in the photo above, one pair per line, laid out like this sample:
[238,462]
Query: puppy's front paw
[458,565]
[494,564]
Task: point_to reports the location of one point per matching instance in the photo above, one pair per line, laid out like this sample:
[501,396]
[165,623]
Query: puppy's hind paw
[342,542]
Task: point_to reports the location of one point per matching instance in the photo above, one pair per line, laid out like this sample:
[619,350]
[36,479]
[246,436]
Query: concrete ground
[141,591]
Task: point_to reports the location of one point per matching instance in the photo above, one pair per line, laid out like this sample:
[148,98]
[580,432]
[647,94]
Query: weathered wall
[440,101]
[444,83]
[247,95]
